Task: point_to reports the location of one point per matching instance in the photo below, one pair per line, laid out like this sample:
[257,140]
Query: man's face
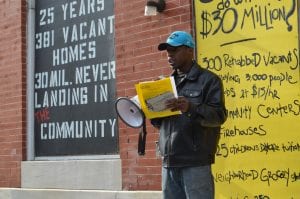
[178,57]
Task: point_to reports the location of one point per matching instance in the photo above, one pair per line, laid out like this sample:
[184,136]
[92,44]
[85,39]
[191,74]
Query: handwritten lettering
[278,110]
[269,176]
[291,147]
[263,175]
[228,77]
[279,78]
[261,84]
[255,196]
[42,115]
[251,16]
[295,176]
[264,92]
[229,92]
[247,131]
[225,150]
[255,59]
[240,112]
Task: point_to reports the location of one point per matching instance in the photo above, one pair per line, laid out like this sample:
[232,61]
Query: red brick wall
[138,59]
[12,90]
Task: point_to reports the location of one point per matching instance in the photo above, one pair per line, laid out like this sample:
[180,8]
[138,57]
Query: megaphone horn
[129,110]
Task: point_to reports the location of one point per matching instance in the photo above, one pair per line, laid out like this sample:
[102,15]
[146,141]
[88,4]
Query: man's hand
[178,104]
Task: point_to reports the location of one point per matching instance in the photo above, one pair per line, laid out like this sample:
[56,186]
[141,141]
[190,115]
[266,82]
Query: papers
[153,95]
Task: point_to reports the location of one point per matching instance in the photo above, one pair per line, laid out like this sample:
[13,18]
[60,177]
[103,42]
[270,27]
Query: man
[188,141]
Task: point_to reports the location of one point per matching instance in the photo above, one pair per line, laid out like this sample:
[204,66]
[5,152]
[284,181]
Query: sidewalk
[21,193]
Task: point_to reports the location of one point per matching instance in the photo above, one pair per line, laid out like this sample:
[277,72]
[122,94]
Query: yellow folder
[152,96]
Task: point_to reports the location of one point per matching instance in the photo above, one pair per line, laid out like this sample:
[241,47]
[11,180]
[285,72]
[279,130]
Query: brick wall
[12,90]
[138,59]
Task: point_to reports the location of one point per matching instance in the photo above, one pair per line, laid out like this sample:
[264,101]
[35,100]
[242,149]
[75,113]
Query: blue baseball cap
[178,38]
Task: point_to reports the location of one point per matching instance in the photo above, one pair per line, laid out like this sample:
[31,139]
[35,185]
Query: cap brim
[162,46]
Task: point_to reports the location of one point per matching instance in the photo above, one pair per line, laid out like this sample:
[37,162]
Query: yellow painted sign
[253,45]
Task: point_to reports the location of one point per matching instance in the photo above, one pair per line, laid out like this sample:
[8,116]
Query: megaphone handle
[142,140]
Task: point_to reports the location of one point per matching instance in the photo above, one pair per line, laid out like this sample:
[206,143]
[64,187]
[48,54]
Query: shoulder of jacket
[206,72]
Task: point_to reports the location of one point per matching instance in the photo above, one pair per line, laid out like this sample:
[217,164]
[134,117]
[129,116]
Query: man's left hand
[178,104]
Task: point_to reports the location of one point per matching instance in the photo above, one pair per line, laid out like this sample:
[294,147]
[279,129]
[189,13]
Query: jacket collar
[193,73]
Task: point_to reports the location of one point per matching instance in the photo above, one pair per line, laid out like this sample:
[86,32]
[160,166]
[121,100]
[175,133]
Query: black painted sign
[74,78]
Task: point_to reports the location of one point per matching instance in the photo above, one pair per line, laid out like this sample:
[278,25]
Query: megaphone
[130,112]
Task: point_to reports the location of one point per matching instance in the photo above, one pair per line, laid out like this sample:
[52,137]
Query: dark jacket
[190,139]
